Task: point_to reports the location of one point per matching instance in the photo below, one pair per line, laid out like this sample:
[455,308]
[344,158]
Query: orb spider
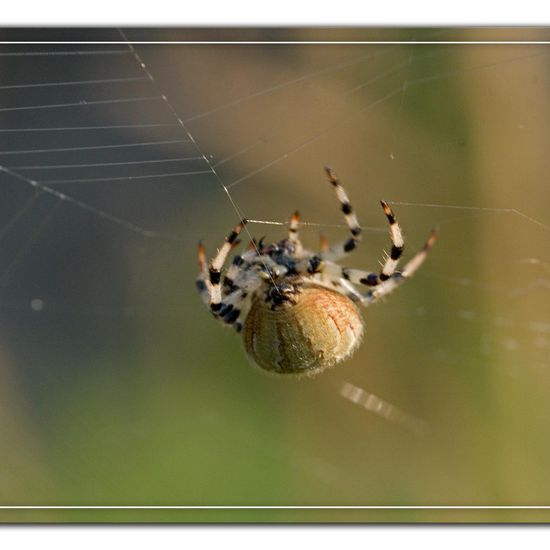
[297,309]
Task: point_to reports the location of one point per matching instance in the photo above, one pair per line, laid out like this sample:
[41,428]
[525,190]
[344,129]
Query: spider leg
[339,250]
[213,282]
[293,233]
[356,276]
[398,243]
[343,286]
[252,245]
[323,243]
[293,227]
[245,308]
[239,263]
[323,262]
[331,274]
[398,277]
[203,275]
[231,308]
[344,277]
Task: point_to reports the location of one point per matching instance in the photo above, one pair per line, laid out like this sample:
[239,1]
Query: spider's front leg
[234,306]
[203,275]
[209,279]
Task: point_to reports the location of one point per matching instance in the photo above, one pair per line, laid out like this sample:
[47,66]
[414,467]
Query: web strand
[211,167]
[82,205]
[199,150]
[85,128]
[93,147]
[477,208]
[389,95]
[72,83]
[286,84]
[64,53]
[9,271]
[81,103]
[126,178]
[100,164]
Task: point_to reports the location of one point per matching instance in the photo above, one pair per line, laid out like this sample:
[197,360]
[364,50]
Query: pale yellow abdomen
[321,329]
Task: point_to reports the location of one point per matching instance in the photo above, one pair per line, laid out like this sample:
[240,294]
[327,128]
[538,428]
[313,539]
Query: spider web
[117,158]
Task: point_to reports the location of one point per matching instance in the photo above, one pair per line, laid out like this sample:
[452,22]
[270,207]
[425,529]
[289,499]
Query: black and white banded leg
[235,305]
[397,241]
[336,272]
[361,277]
[245,308]
[213,283]
[203,275]
[398,277]
[339,250]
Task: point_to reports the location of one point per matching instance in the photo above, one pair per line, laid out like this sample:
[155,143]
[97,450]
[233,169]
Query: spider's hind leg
[343,277]
[359,276]
[398,277]
[312,264]
[398,244]
[339,250]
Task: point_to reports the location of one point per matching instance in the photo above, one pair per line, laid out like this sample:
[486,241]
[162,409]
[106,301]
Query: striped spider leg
[230,297]
[209,283]
[382,283]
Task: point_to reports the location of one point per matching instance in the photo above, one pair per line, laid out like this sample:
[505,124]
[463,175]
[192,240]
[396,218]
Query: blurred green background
[116,385]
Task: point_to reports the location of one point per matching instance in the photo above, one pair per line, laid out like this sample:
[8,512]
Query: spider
[297,309]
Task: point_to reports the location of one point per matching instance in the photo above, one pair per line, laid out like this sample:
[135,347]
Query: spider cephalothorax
[297,309]
[284,294]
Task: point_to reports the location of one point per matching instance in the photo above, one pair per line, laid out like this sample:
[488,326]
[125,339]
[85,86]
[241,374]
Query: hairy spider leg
[361,277]
[245,308]
[203,275]
[398,277]
[236,304]
[313,263]
[337,272]
[339,275]
[238,263]
[339,250]
[245,275]
[397,241]
[213,282]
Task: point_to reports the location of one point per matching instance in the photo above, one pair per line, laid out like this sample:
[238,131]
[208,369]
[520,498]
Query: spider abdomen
[317,329]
